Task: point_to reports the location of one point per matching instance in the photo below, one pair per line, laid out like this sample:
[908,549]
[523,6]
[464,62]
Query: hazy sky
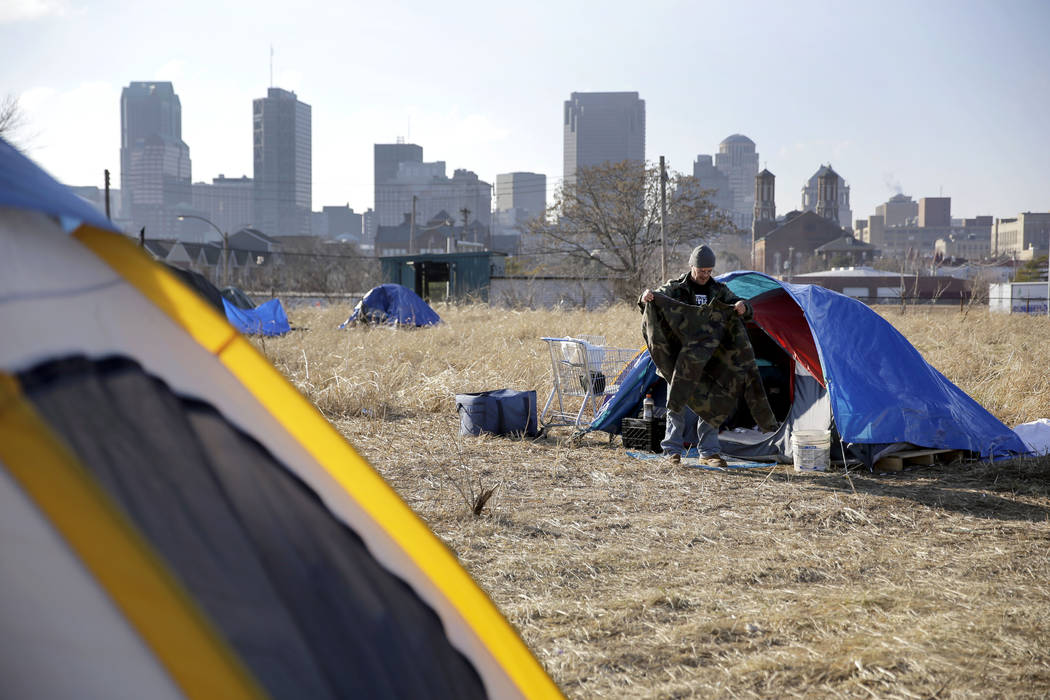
[947,97]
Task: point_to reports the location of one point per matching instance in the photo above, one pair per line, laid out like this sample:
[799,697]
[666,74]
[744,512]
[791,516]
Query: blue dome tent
[392,304]
[829,361]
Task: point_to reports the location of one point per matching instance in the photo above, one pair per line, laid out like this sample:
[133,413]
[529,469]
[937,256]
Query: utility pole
[466,215]
[225,259]
[107,193]
[663,216]
[412,227]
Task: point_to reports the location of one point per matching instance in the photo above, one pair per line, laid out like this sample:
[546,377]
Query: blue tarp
[882,391]
[265,319]
[637,376]
[395,305]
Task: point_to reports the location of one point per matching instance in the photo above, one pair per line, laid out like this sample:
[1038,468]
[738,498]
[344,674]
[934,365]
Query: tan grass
[632,578]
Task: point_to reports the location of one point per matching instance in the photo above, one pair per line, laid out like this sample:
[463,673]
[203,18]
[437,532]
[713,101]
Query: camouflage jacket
[706,357]
[678,289]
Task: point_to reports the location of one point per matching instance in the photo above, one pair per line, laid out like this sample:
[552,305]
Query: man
[696,287]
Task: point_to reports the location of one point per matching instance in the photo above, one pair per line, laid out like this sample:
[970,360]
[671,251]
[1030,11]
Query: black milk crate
[641,434]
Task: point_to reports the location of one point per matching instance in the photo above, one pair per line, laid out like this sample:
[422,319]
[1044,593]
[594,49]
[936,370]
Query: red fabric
[779,316]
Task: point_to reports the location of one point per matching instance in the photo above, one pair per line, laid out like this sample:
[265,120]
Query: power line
[360,256]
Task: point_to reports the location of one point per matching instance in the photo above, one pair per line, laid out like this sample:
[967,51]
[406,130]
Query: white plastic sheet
[1036,435]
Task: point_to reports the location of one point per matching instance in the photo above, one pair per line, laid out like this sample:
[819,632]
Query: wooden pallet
[897,461]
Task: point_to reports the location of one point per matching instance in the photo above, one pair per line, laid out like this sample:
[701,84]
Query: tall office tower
[711,178]
[282,134]
[738,160]
[811,195]
[602,127]
[524,194]
[154,161]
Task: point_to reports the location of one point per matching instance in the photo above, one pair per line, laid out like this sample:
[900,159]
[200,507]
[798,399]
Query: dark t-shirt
[702,293]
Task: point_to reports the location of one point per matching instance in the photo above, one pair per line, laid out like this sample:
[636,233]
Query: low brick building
[783,249]
[846,251]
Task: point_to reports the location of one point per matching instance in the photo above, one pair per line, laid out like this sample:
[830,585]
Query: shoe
[713,461]
[675,458]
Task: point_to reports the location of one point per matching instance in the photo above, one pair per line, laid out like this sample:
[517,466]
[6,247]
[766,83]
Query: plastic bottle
[647,407]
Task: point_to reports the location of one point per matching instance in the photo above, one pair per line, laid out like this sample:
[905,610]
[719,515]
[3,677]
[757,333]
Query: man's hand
[740,307]
[647,296]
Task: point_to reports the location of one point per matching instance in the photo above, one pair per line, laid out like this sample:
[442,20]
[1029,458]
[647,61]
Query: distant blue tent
[394,305]
[265,319]
[846,368]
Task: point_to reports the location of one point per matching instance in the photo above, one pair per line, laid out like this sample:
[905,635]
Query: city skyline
[938,113]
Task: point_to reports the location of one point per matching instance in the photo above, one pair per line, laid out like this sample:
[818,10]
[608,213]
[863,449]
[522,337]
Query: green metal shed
[441,276]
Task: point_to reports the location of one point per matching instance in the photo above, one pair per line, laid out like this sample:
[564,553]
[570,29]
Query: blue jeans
[674,437]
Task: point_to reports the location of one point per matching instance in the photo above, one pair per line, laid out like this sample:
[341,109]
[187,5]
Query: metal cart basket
[584,371]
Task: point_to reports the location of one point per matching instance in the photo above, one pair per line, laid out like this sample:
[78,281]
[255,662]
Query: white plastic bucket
[811,450]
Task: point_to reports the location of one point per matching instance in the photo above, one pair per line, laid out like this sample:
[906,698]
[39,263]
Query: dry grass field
[640,579]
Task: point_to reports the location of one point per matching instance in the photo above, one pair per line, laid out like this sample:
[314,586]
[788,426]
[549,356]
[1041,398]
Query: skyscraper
[524,194]
[602,127]
[155,178]
[738,159]
[283,184]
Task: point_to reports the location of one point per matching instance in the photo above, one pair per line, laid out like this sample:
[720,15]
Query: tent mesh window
[293,591]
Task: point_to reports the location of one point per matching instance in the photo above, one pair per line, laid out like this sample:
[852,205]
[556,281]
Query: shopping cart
[584,371]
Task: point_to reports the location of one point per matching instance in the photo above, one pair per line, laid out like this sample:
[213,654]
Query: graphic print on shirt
[701,299]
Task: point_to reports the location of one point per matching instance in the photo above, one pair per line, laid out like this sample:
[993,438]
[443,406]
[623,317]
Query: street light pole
[225,245]
[663,215]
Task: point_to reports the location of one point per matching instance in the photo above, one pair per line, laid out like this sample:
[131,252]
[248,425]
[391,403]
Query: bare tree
[607,223]
[12,119]
[312,265]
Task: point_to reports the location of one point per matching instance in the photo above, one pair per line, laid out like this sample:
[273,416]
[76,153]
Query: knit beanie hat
[702,257]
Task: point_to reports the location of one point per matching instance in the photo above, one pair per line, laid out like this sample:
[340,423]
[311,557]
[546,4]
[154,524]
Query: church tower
[765,219]
[828,195]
